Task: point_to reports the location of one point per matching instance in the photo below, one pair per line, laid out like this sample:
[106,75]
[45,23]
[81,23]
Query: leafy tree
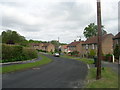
[12,37]
[91,30]
[56,44]
[117,52]
[36,41]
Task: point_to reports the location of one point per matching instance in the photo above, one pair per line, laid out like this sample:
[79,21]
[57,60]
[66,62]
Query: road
[61,73]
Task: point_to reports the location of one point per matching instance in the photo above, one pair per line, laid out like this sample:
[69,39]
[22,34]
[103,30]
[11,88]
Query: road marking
[36,68]
[88,66]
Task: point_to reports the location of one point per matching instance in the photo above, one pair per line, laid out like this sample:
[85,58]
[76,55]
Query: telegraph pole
[99,54]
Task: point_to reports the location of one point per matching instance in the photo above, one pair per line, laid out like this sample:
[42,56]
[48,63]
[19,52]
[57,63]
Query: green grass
[85,60]
[109,79]
[12,68]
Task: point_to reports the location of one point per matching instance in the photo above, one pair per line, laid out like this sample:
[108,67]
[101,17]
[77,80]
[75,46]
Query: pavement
[61,73]
[113,66]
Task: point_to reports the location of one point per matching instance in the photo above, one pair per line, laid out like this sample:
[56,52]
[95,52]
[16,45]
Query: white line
[88,66]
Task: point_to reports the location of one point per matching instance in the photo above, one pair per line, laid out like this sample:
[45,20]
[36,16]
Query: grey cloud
[47,21]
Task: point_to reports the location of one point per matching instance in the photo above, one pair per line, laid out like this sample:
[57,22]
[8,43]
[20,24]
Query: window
[93,47]
[86,46]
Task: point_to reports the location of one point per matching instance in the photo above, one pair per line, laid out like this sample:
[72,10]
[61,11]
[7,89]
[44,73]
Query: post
[99,54]
[113,58]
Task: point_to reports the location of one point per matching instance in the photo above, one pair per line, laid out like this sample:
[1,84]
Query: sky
[47,20]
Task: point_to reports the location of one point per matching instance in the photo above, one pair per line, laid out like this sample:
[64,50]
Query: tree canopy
[12,37]
[91,30]
[117,51]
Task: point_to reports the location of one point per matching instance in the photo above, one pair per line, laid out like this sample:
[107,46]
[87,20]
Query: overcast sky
[49,19]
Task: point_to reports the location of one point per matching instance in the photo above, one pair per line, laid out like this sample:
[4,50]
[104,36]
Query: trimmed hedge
[11,53]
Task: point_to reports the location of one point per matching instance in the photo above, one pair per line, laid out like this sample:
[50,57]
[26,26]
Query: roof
[75,43]
[117,36]
[64,46]
[94,40]
[46,44]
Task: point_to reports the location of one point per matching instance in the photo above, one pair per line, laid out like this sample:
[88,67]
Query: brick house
[91,44]
[64,48]
[35,45]
[43,46]
[75,46]
[48,47]
[116,40]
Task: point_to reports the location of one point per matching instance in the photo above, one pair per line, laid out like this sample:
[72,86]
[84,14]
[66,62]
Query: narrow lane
[62,73]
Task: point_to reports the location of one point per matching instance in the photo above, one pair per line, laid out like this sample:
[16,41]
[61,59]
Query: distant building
[43,46]
[64,48]
[48,47]
[75,46]
[92,44]
[35,45]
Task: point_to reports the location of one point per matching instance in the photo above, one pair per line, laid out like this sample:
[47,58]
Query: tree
[91,30]
[12,37]
[117,52]
[56,44]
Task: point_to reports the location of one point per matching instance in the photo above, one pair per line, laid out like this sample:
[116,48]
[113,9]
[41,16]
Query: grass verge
[109,79]
[12,68]
[85,60]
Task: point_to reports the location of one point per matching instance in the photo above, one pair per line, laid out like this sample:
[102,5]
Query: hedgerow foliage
[12,53]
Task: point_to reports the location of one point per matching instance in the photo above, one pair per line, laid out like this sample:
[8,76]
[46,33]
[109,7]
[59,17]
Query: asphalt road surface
[61,73]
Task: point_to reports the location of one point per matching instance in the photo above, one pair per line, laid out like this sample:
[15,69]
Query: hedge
[12,53]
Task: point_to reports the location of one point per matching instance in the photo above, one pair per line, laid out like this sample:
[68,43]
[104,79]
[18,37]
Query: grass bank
[85,60]
[12,68]
[109,79]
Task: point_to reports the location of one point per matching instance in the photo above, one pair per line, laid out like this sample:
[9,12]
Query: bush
[12,53]
[117,51]
[41,50]
[108,57]
[29,53]
[74,53]
[92,53]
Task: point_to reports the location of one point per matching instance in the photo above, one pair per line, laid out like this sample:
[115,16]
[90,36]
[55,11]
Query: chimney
[74,40]
[79,39]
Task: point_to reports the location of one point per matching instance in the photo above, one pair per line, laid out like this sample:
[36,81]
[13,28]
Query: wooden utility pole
[99,54]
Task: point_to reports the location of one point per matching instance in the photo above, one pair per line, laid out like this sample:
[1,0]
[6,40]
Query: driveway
[61,73]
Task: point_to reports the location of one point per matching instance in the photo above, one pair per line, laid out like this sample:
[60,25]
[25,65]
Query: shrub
[74,53]
[12,53]
[29,53]
[117,51]
[92,53]
[108,57]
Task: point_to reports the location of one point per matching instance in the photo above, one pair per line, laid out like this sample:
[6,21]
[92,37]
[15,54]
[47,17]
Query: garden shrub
[74,53]
[29,53]
[92,53]
[117,52]
[108,57]
[12,53]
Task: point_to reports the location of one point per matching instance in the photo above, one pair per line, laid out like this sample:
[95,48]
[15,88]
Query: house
[75,46]
[35,45]
[48,47]
[64,48]
[92,44]
[43,46]
[116,40]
